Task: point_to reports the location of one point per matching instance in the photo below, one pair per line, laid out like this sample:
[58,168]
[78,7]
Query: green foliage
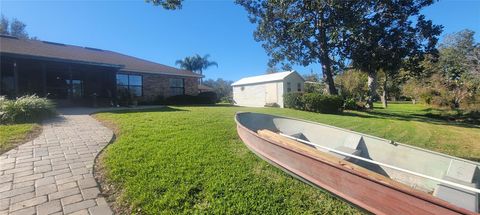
[273,105]
[314,87]
[25,109]
[352,84]
[208,97]
[352,104]
[14,28]
[454,79]
[221,87]
[384,41]
[291,31]
[313,83]
[293,100]
[314,102]
[167,4]
[202,98]
[158,100]
[196,63]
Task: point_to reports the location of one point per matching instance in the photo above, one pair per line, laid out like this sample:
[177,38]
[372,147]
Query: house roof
[202,87]
[77,54]
[278,76]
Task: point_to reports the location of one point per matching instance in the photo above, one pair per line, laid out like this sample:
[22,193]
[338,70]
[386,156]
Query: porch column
[70,93]
[114,85]
[15,78]
[1,82]
[44,79]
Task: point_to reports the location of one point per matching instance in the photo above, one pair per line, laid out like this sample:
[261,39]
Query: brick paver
[53,174]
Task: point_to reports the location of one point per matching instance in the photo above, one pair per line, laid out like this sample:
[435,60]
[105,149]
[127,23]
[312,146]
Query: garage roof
[278,76]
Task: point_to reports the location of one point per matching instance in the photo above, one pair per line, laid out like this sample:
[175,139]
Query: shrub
[158,100]
[293,100]
[272,105]
[351,104]
[227,99]
[207,97]
[202,98]
[315,102]
[25,109]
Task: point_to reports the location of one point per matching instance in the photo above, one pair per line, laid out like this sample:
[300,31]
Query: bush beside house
[30,108]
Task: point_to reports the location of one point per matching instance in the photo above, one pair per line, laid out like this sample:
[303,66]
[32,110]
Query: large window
[131,83]
[177,86]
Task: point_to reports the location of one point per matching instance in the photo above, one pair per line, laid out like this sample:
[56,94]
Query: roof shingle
[43,49]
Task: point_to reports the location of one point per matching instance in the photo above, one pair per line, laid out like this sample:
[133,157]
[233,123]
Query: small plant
[28,108]
[275,105]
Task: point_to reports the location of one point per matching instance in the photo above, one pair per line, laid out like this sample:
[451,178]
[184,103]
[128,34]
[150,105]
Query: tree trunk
[328,78]
[372,86]
[384,94]
[326,64]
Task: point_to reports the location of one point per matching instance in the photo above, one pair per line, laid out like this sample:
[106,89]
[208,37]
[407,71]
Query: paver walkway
[53,174]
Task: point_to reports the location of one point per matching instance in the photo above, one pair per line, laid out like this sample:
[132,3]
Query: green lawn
[190,160]
[12,135]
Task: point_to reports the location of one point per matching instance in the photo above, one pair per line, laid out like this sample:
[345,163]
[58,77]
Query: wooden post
[15,77]
[44,80]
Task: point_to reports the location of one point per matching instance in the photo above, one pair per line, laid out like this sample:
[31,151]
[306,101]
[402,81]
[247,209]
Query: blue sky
[219,28]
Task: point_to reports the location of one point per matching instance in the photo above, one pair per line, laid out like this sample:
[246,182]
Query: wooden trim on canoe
[329,158]
[258,142]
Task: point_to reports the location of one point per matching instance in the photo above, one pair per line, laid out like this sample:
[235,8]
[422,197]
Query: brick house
[74,75]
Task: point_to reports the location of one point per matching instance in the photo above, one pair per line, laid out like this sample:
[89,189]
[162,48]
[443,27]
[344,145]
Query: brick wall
[155,85]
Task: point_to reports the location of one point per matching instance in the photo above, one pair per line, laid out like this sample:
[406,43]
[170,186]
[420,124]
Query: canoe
[378,175]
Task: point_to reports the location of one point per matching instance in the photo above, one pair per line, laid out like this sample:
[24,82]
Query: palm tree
[196,63]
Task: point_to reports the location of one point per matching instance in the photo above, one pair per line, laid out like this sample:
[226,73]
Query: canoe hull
[369,194]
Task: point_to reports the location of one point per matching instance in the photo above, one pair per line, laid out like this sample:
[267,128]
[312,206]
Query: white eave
[263,78]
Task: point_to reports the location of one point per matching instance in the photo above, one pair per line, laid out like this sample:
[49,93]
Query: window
[76,90]
[177,86]
[289,87]
[299,87]
[131,83]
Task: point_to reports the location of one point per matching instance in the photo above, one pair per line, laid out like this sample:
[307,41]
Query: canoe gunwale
[365,135]
[403,189]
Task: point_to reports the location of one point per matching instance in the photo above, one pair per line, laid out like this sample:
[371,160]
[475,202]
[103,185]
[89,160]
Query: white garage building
[257,91]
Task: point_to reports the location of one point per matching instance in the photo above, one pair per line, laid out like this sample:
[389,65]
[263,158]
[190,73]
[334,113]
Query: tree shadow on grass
[144,110]
[411,117]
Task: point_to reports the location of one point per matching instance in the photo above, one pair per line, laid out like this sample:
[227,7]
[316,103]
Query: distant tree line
[14,27]
[222,88]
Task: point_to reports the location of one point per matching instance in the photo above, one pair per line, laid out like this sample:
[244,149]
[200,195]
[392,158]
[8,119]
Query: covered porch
[67,83]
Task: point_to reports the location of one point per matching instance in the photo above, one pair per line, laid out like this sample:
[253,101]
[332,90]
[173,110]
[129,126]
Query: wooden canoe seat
[462,173]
